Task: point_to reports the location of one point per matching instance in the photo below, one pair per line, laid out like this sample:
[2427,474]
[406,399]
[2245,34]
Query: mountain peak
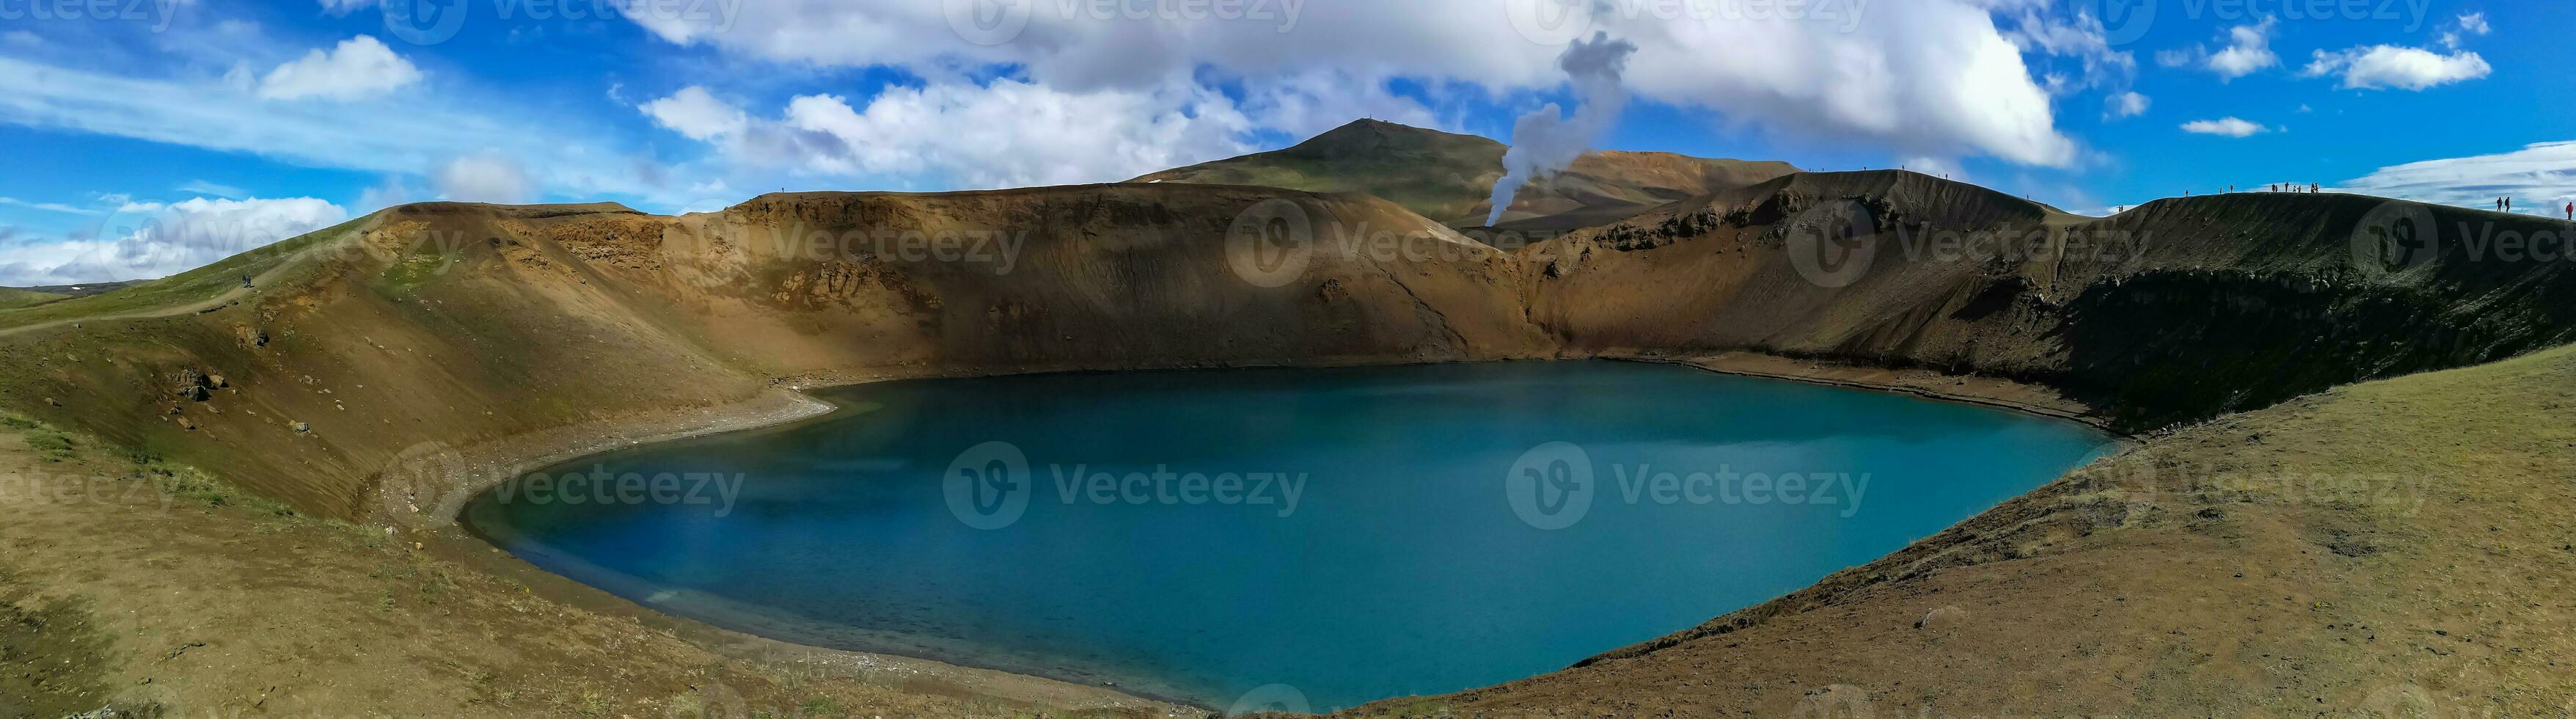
[1369,136]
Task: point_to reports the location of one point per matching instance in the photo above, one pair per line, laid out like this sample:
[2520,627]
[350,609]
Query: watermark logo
[1832,244]
[1550,22]
[2123,21]
[2395,237]
[128,219]
[713,700]
[415,486]
[988,22]
[424,22]
[988,486]
[1550,486]
[2402,701]
[1838,701]
[1270,243]
[1271,698]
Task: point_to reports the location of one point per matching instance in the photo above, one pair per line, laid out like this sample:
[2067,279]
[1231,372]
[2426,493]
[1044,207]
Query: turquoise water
[1385,531]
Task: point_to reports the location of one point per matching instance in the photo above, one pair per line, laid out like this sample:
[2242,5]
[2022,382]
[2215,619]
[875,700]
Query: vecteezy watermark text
[1835,244]
[75,489]
[2128,21]
[430,22]
[1272,242]
[1552,486]
[992,248]
[1559,22]
[157,12]
[994,22]
[602,487]
[990,486]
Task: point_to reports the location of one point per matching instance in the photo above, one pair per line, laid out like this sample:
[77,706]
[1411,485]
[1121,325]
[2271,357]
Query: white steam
[1545,140]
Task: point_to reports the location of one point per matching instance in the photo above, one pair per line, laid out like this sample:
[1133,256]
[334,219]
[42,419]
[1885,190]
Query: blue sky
[147,136]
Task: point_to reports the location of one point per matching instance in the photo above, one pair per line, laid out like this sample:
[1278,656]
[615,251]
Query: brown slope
[452,325]
[1450,177]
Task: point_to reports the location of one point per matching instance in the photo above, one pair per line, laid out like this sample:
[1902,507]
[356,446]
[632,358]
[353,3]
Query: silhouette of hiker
[2571,211]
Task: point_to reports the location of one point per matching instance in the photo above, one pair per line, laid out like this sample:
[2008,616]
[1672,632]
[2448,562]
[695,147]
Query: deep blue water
[1440,536]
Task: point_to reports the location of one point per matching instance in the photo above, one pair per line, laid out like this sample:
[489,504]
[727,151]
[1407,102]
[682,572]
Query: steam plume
[1545,140]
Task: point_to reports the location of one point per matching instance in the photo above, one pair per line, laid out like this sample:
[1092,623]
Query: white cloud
[50,206]
[2125,104]
[151,240]
[391,134]
[1010,133]
[484,177]
[2379,67]
[696,113]
[1936,167]
[1924,76]
[360,67]
[2249,49]
[1308,104]
[2227,127]
[203,187]
[2081,37]
[2540,177]
[2474,23]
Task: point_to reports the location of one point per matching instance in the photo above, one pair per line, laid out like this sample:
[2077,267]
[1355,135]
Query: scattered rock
[54,402]
[300,427]
[192,385]
[1943,619]
[187,424]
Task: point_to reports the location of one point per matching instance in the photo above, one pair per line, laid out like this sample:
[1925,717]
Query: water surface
[1386,531]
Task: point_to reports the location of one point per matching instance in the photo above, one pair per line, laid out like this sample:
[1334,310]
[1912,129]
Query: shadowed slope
[2178,310]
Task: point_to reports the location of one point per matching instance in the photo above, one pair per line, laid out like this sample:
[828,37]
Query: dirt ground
[207,603]
[2391,549]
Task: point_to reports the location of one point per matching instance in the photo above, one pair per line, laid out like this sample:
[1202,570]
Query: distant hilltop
[1450,177]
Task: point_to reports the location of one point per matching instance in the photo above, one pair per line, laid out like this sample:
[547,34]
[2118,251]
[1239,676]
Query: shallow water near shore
[1297,538]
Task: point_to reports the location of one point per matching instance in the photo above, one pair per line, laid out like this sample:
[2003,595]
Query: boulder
[192,385]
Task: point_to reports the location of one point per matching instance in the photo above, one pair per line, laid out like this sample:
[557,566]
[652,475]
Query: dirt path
[219,301]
